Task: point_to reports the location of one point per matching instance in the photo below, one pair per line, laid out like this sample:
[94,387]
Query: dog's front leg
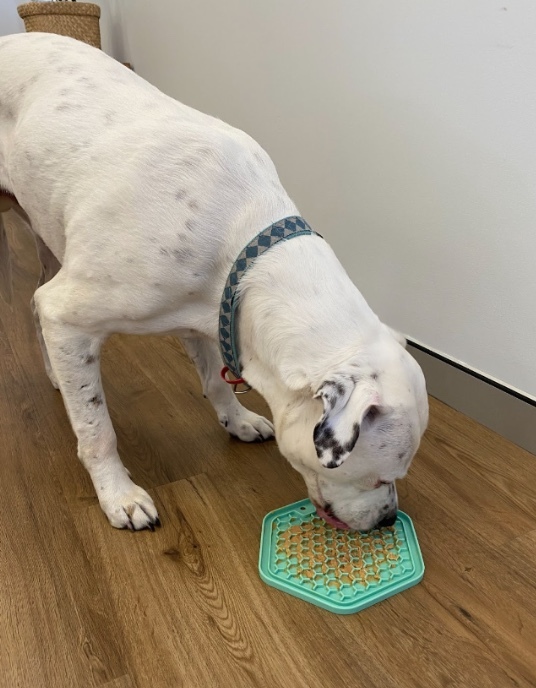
[237,420]
[74,357]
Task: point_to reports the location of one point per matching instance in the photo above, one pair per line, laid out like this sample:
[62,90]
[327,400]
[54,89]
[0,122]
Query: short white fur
[140,205]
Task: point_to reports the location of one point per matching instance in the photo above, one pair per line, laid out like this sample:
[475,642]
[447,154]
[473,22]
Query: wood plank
[50,597]
[83,604]
[52,605]
[123,682]
[505,467]
[444,476]
[214,601]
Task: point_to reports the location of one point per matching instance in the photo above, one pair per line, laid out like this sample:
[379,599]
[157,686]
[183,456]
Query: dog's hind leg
[73,346]
[43,347]
[49,268]
[7,202]
[237,420]
[5,263]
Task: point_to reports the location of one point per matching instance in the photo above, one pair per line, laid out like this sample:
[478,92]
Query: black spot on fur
[336,389]
[323,436]
[355,436]
[68,68]
[401,456]
[374,376]
[96,400]
[326,442]
[332,464]
[86,81]
[252,171]
[182,254]
[90,359]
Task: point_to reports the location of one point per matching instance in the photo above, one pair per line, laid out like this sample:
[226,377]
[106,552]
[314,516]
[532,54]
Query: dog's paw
[247,426]
[130,507]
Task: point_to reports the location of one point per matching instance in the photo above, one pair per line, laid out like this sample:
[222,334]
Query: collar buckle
[234,381]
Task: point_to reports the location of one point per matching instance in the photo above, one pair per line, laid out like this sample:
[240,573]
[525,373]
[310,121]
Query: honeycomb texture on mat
[336,564]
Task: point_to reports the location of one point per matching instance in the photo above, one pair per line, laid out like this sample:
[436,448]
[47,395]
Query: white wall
[111,26]
[405,131]
[10,22]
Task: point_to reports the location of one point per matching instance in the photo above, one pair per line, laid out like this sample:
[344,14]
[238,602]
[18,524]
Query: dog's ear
[346,403]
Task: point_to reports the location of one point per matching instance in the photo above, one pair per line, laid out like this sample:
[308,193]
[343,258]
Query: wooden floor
[82,604]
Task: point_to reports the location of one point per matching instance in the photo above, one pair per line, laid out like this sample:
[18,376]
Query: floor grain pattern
[84,605]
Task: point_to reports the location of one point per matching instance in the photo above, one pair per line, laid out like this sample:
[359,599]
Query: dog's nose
[389,520]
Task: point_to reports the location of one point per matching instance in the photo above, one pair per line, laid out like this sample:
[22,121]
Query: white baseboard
[499,407]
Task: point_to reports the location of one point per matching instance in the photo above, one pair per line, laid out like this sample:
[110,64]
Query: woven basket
[75,19]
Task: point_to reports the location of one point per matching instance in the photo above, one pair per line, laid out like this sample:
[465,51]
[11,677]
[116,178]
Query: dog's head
[357,434]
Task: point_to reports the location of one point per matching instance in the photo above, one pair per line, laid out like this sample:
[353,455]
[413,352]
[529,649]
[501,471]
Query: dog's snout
[388,521]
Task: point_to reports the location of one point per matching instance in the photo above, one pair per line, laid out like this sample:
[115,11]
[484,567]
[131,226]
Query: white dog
[140,206]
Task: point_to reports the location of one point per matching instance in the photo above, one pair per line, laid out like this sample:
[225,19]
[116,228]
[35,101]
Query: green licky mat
[340,570]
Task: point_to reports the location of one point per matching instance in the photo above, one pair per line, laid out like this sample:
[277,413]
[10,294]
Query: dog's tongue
[332,520]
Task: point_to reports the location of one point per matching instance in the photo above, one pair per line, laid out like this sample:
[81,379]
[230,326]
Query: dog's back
[75,125]
[68,113]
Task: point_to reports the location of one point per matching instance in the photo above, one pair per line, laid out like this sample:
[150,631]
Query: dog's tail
[6,287]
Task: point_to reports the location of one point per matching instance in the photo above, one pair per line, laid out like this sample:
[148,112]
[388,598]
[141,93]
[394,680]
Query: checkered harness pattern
[287,228]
